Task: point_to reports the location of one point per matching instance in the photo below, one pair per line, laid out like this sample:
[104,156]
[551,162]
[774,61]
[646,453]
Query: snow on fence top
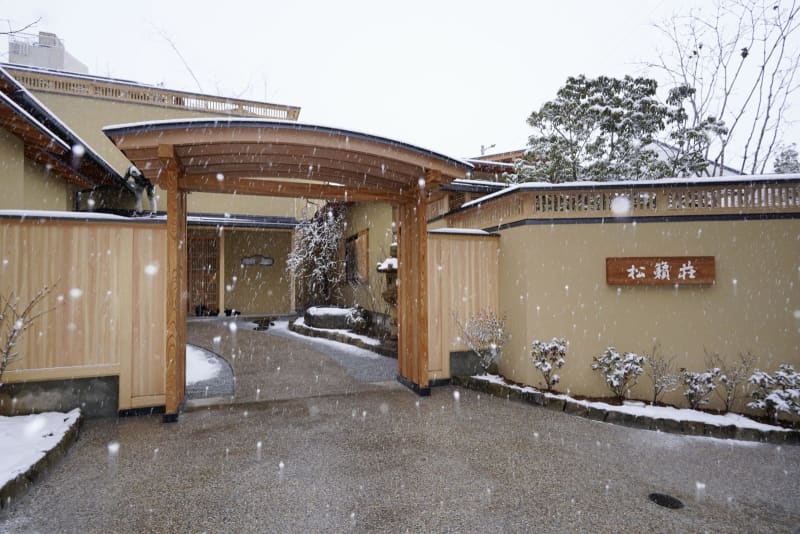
[673,197]
[731,182]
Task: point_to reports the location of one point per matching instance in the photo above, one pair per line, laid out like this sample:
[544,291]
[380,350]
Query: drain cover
[667,501]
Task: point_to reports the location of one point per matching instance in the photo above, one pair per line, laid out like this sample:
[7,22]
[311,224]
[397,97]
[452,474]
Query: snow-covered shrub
[619,371]
[357,319]
[485,334]
[698,386]
[14,321]
[776,393]
[315,259]
[662,374]
[547,357]
[732,377]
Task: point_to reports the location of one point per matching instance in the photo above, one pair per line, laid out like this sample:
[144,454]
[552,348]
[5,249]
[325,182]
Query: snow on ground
[347,333]
[201,365]
[24,439]
[283,327]
[654,412]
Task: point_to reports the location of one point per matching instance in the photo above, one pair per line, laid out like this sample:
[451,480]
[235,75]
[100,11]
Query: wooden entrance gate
[262,157]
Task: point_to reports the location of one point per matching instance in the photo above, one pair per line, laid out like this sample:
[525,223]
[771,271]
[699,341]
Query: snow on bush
[357,319]
[662,374]
[485,334]
[698,386]
[776,393]
[732,377]
[547,357]
[315,260]
[15,319]
[619,371]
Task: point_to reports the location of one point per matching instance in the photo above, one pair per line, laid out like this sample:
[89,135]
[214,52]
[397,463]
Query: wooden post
[175,374]
[412,294]
[292,282]
[221,272]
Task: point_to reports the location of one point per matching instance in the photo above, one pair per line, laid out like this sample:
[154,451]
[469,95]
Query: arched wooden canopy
[275,158]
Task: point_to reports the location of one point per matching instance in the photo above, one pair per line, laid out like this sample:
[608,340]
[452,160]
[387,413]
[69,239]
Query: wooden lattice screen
[203,279]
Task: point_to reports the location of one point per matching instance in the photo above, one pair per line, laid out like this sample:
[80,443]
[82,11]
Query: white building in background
[45,50]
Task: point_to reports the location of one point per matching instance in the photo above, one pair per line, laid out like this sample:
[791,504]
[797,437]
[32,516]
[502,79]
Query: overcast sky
[450,76]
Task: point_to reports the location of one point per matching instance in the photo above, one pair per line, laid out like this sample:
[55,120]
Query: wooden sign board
[664,270]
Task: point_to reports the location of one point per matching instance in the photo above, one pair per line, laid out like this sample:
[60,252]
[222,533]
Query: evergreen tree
[596,129]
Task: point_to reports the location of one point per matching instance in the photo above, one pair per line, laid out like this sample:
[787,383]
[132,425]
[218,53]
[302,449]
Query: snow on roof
[489,163]
[72,138]
[461,231]
[637,184]
[248,122]
[49,214]
[484,183]
[389,264]
[33,120]
[240,220]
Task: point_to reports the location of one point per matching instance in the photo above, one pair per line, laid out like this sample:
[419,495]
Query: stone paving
[380,459]
[276,364]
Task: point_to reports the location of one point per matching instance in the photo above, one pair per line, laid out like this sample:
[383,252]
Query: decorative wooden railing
[89,87]
[672,200]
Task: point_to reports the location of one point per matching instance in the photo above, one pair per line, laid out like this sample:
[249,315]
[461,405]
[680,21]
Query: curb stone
[688,428]
[310,332]
[19,486]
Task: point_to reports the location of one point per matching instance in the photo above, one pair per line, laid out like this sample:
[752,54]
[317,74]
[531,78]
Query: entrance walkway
[277,364]
[389,461]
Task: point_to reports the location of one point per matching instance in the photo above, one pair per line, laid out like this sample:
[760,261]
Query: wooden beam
[282,152]
[256,135]
[300,172]
[175,352]
[255,186]
[285,171]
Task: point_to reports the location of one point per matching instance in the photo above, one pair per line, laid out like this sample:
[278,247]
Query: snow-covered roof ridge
[33,121]
[461,231]
[51,214]
[639,184]
[26,100]
[502,164]
[258,122]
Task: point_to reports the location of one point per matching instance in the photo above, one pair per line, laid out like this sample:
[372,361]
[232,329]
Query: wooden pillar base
[416,388]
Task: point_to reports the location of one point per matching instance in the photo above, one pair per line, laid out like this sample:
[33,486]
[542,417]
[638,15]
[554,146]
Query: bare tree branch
[20,30]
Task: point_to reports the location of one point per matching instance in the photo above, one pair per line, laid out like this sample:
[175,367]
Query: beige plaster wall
[12,170]
[256,290]
[553,285]
[377,217]
[26,185]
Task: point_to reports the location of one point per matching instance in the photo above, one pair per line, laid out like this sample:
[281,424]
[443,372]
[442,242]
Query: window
[356,258]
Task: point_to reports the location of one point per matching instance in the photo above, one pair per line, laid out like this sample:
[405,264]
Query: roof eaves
[35,109]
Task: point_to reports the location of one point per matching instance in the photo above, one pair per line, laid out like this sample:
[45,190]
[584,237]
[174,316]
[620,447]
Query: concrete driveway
[388,461]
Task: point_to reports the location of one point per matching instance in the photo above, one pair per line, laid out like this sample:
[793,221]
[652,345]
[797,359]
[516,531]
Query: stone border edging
[688,428]
[311,332]
[19,486]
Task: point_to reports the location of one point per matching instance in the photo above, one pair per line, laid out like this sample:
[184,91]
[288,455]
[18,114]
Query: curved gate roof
[278,158]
